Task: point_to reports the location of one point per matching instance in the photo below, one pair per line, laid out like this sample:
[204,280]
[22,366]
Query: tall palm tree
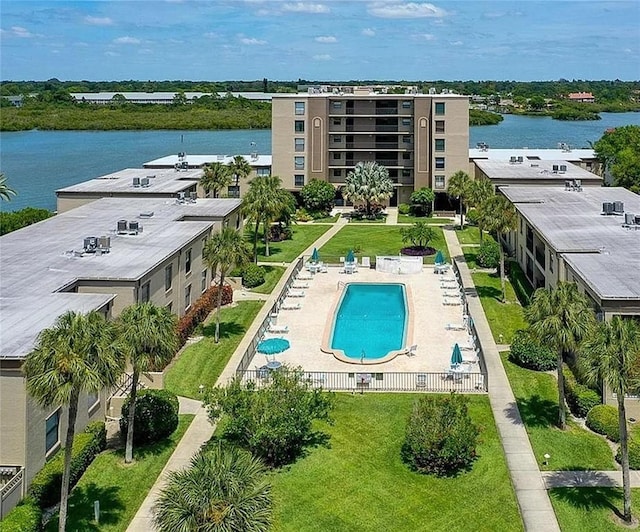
[221,253]
[76,355]
[609,356]
[239,168]
[560,318]
[499,215]
[480,191]
[147,335]
[223,490]
[459,187]
[5,191]
[215,177]
[368,182]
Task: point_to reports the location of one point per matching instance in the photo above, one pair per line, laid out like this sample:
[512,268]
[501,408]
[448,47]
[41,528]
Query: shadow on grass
[534,411]
[227,329]
[489,292]
[590,498]
[142,452]
[81,516]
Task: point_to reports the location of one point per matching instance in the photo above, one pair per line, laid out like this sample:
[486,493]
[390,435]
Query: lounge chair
[456,326]
[300,285]
[278,329]
[304,277]
[451,302]
[441,268]
[291,306]
[296,293]
[452,294]
[410,351]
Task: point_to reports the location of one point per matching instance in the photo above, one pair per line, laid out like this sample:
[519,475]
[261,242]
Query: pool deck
[308,324]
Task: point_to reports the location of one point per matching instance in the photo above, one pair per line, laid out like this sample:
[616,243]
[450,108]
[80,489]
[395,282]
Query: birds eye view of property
[357,293]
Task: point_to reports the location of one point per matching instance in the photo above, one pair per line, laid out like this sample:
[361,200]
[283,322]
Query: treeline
[11,221]
[479,117]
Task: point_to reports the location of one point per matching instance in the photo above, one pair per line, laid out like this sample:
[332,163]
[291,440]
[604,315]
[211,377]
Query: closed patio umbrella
[315,256]
[350,256]
[456,356]
[439,258]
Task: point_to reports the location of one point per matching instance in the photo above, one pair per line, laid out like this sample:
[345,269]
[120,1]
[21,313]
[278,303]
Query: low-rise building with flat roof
[540,172]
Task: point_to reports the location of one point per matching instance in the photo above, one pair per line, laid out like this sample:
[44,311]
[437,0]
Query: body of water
[37,163]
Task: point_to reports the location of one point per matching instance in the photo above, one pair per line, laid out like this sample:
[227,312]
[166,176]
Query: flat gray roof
[161,181]
[39,260]
[370,95]
[170,161]
[532,170]
[604,253]
[532,155]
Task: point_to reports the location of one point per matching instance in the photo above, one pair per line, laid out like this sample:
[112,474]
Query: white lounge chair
[304,276]
[296,293]
[411,351]
[278,329]
[366,262]
[452,294]
[456,326]
[291,306]
[451,302]
[300,286]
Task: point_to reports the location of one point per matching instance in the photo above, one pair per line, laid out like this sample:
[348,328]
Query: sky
[319,40]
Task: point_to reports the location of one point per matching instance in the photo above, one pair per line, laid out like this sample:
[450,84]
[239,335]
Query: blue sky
[319,40]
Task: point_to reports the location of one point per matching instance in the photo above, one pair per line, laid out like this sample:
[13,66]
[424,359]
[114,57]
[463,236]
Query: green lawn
[470,256]
[592,509]
[203,362]
[520,283]
[469,235]
[120,488]
[504,318]
[573,449]
[371,241]
[328,219]
[288,250]
[358,481]
[382,219]
[409,219]
[272,275]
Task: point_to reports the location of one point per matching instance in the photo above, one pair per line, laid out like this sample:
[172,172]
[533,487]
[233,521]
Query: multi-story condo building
[422,139]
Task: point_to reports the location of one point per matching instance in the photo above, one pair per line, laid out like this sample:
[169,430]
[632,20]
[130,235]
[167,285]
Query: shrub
[403,208]
[45,486]
[472,217]
[527,352]
[302,215]
[199,311]
[236,272]
[11,221]
[440,439]
[156,416]
[26,517]
[488,254]
[603,419]
[580,398]
[318,195]
[634,454]
[252,276]
[278,233]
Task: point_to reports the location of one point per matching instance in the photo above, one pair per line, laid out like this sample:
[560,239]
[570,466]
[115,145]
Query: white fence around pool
[399,264]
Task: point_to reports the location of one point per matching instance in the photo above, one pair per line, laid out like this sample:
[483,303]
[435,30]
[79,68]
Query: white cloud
[424,37]
[405,10]
[98,21]
[126,40]
[81,44]
[305,7]
[252,41]
[368,32]
[457,43]
[322,57]
[326,39]
[111,54]
[55,51]
[211,35]
[145,51]
[21,32]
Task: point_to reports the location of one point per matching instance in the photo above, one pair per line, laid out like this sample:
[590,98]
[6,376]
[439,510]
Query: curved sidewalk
[531,492]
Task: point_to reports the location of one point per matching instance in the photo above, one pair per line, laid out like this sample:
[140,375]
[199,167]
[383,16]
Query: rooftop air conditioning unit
[618,207]
[512,159]
[146,214]
[520,159]
[193,196]
[181,195]
[135,227]
[144,182]
[629,218]
[104,243]
[122,226]
[578,184]
[90,244]
[568,185]
[151,176]
[563,168]
[136,182]
[555,168]
[607,208]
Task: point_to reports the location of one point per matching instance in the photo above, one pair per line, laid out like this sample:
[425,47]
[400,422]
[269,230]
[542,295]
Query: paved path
[392,215]
[531,491]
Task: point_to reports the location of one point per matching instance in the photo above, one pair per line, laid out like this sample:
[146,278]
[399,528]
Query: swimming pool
[370,322]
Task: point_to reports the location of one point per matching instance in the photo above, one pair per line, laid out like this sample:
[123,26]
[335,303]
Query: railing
[442,382]
[11,492]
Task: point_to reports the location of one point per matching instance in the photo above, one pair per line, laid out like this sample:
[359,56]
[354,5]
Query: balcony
[364,145]
[540,256]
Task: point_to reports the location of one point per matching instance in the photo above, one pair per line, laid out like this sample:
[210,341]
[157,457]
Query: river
[37,163]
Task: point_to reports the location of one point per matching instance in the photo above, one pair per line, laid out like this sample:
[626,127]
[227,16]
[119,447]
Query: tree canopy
[619,150]
[368,182]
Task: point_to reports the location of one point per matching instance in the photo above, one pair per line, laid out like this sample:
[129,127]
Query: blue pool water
[370,319]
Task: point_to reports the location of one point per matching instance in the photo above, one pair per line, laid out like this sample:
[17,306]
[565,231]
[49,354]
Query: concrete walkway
[392,215]
[531,491]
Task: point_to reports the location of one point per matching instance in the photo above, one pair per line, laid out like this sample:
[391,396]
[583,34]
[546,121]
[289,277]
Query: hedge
[26,517]
[580,398]
[156,416]
[603,419]
[634,455]
[252,276]
[46,485]
[199,311]
[488,254]
[529,353]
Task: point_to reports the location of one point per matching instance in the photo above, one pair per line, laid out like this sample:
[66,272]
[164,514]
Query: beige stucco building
[421,139]
[104,256]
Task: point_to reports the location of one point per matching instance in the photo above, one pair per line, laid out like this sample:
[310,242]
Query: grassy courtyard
[410,219]
[272,275]
[203,362]
[359,482]
[286,251]
[119,487]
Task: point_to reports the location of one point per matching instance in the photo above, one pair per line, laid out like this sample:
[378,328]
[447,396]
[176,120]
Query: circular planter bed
[418,251]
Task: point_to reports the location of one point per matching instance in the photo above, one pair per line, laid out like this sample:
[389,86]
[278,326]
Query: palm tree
[222,490]
[239,168]
[459,187]
[499,215]
[76,355]
[215,177]
[147,335]
[480,191]
[560,318]
[419,234]
[609,356]
[222,252]
[5,191]
[368,182]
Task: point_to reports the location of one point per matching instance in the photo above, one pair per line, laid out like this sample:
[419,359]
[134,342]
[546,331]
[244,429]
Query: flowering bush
[198,312]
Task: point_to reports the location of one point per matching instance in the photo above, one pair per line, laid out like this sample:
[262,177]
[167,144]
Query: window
[299,144]
[187,261]
[337,173]
[551,261]
[336,155]
[298,180]
[92,400]
[299,108]
[439,145]
[298,163]
[187,296]
[439,108]
[336,105]
[406,121]
[299,126]
[168,277]
[203,285]
[233,191]
[337,138]
[145,292]
[406,172]
[52,428]
[406,104]
[337,121]
[237,222]
[521,232]
[406,156]
[439,126]
[263,171]
[439,181]
[439,163]
[407,139]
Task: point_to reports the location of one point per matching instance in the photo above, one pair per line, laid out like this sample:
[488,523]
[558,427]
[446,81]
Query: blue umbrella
[272,346]
[456,356]
[315,256]
[439,258]
[350,256]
